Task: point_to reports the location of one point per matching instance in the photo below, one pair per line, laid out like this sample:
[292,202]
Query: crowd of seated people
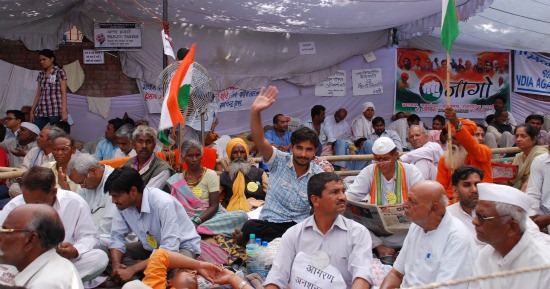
[120,211]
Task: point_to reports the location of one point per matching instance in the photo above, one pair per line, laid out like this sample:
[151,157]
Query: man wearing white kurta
[426,154]
[325,249]
[36,259]
[362,126]
[538,188]
[436,248]
[500,222]
[379,184]
[84,169]
[80,232]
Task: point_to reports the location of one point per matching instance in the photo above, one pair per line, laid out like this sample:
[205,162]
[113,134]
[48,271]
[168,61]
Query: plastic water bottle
[259,260]
[264,256]
[252,253]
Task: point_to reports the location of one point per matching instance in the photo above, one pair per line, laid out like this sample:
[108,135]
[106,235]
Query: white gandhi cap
[382,145]
[504,194]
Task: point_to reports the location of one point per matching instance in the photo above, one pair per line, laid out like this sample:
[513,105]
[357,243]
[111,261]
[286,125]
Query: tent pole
[202,129]
[165,22]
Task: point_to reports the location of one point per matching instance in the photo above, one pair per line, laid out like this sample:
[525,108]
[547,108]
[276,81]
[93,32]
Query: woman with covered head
[197,189]
[526,141]
[242,181]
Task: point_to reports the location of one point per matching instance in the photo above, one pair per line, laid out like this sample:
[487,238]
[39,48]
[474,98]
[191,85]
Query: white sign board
[92,56]
[367,81]
[235,99]
[307,47]
[333,86]
[151,96]
[125,36]
[531,73]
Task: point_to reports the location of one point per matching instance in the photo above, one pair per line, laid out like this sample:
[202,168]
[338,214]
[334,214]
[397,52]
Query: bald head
[426,204]
[42,219]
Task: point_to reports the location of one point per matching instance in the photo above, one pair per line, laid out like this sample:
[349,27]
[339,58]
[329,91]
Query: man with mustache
[153,170]
[385,182]
[279,136]
[466,151]
[425,155]
[312,242]
[436,248]
[286,201]
[253,181]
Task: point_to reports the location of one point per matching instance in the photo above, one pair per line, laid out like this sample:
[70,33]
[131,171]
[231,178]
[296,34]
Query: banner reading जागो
[531,73]
[476,79]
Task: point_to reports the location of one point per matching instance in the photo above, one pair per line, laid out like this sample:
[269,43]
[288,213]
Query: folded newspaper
[382,221]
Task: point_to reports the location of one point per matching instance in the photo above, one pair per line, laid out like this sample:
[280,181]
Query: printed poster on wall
[531,73]
[151,96]
[476,79]
[332,86]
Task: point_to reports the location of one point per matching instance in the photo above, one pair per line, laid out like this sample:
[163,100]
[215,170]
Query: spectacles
[10,118]
[483,218]
[4,230]
[83,181]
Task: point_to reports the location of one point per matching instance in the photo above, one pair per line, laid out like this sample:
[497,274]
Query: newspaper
[382,221]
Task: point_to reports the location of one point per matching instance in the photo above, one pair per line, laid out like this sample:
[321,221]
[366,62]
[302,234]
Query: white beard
[459,157]
[238,165]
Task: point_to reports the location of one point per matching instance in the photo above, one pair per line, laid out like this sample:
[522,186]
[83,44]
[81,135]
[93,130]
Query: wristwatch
[459,127]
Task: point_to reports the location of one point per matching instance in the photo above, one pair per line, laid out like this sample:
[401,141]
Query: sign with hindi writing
[91,56]
[531,73]
[333,86]
[307,47]
[476,79]
[367,81]
[118,36]
[235,99]
[151,96]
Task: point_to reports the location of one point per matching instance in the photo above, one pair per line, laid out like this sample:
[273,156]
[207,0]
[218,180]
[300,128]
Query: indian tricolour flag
[177,96]
[449,24]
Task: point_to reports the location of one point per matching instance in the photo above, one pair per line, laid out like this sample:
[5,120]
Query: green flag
[449,24]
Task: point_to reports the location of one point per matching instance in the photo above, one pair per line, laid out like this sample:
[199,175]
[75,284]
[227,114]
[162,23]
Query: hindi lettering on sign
[333,86]
[234,99]
[367,81]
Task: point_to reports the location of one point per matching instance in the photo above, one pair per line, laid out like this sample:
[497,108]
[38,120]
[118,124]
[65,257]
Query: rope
[483,277]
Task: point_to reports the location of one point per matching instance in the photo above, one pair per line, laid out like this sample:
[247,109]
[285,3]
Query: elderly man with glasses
[500,221]
[28,240]
[85,170]
[385,182]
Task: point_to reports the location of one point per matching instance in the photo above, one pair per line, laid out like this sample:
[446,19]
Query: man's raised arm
[264,100]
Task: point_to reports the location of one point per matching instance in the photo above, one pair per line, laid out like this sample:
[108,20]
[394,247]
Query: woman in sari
[526,140]
[197,189]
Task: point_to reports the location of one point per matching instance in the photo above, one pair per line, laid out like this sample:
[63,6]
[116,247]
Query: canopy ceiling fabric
[251,43]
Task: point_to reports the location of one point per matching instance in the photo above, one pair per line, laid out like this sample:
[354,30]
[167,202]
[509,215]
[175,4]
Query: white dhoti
[90,265]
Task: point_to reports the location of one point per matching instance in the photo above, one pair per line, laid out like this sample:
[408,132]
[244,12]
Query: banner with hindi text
[476,79]
[531,73]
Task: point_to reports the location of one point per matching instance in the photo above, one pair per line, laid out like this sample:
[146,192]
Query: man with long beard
[465,151]
[253,181]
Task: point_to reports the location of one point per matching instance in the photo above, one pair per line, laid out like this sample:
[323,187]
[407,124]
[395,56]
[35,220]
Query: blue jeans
[41,121]
[341,148]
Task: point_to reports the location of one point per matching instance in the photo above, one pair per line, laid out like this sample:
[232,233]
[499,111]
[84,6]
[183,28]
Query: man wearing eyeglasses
[81,238]
[436,248]
[28,240]
[385,182]
[85,170]
[13,121]
[500,221]
[63,148]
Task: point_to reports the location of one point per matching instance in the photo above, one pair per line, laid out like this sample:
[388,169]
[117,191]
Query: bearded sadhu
[465,151]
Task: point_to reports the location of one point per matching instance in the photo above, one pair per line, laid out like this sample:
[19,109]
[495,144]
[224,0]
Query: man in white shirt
[84,170]
[41,154]
[500,103]
[500,221]
[401,126]
[436,248]
[343,145]
[538,188]
[379,126]
[30,235]
[385,182]
[307,250]
[362,126]
[125,143]
[338,125]
[317,123]
[426,154]
[38,185]
[17,147]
